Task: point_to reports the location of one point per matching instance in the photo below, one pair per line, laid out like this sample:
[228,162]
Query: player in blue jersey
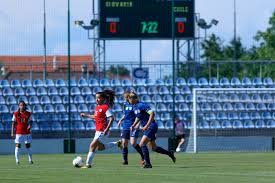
[126,121]
[145,116]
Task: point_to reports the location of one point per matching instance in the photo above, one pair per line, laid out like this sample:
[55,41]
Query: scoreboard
[146,19]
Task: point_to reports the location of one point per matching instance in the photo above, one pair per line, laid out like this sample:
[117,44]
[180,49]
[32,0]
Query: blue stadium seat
[35,126]
[214,82]
[126,82]
[78,99]
[266,115]
[271,106]
[203,125]
[216,107]
[37,108]
[104,82]
[205,107]
[91,107]
[52,90]
[82,82]
[7,91]
[152,90]
[6,117]
[82,108]
[157,117]
[239,107]
[168,125]
[119,99]
[250,107]
[61,117]
[41,91]
[163,90]
[235,82]
[257,81]
[49,83]
[73,83]
[268,81]
[160,125]
[90,99]
[245,97]
[160,82]
[228,107]
[108,88]
[270,124]
[192,81]
[244,116]
[224,82]
[179,98]
[138,82]
[93,82]
[180,82]
[73,108]
[48,108]
[2,127]
[41,117]
[223,98]
[255,115]
[56,126]
[248,124]
[233,97]
[60,83]
[145,98]
[63,91]
[22,98]
[175,89]
[222,116]
[260,124]
[256,97]
[78,125]
[11,100]
[45,126]
[37,83]
[96,89]
[237,124]
[90,125]
[170,107]
[4,84]
[189,98]
[167,98]
[129,88]
[185,90]
[65,99]
[141,90]
[152,106]
[75,91]
[226,124]
[169,82]
[261,107]
[246,82]
[19,91]
[161,107]
[45,100]
[60,108]
[117,108]
[34,100]
[30,91]
[1,92]
[233,116]
[149,82]
[26,83]
[183,107]
[115,82]
[202,82]
[15,83]
[165,116]
[119,90]
[214,124]
[156,98]
[75,116]
[267,98]
[13,108]
[210,116]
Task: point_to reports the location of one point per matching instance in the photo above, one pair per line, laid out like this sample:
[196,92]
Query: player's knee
[28,145]
[18,145]
[125,144]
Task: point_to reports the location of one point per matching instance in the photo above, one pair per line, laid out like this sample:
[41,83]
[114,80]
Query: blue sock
[146,154]
[162,151]
[138,149]
[125,154]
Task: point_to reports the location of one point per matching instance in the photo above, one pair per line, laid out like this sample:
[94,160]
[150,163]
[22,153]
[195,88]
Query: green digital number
[149,27]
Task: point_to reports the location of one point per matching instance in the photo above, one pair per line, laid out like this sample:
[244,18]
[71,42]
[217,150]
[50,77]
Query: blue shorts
[151,132]
[126,134]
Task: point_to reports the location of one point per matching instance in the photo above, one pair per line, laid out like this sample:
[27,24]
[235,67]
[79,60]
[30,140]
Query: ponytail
[109,96]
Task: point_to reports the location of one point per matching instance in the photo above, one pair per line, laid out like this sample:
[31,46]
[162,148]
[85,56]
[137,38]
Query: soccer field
[202,167]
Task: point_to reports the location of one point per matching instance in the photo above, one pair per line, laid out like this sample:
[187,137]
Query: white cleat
[178,150]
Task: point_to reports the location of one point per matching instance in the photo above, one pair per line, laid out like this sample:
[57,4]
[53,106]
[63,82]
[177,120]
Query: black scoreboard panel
[145,19]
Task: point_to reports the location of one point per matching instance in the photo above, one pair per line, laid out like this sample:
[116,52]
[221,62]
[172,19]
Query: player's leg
[133,141]
[143,144]
[125,151]
[181,141]
[17,141]
[92,151]
[28,140]
[160,150]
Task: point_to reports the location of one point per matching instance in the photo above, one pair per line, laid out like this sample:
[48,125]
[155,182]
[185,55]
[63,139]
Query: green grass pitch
[190,168]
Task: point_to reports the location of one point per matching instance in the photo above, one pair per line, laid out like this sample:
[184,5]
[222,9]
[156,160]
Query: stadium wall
[55,146]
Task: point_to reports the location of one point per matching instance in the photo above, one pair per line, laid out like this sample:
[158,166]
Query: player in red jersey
[21,125]
[103,120]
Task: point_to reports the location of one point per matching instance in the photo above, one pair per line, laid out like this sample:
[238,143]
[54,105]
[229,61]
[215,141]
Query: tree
[119,71]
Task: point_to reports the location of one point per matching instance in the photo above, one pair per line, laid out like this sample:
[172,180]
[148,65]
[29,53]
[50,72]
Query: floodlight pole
[173,60]
[44,42]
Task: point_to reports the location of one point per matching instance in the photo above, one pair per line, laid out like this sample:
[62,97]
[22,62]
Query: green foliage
[118,70]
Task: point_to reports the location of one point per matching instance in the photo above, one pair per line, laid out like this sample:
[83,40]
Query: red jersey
[21,122]
[101,114]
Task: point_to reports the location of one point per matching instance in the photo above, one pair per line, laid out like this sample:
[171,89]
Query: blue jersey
[129,116]
[141,111]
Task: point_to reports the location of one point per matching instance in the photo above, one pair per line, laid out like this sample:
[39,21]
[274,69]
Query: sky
[21,28]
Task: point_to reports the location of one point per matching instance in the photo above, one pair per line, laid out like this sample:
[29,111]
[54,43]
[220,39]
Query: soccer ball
[78,162]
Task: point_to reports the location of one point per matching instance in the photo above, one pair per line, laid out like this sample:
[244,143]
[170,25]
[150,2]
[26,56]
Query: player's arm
[151,119]
[87,115]
[30,125]
[137,121]
[111,118]
[121,120]
[13,126]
